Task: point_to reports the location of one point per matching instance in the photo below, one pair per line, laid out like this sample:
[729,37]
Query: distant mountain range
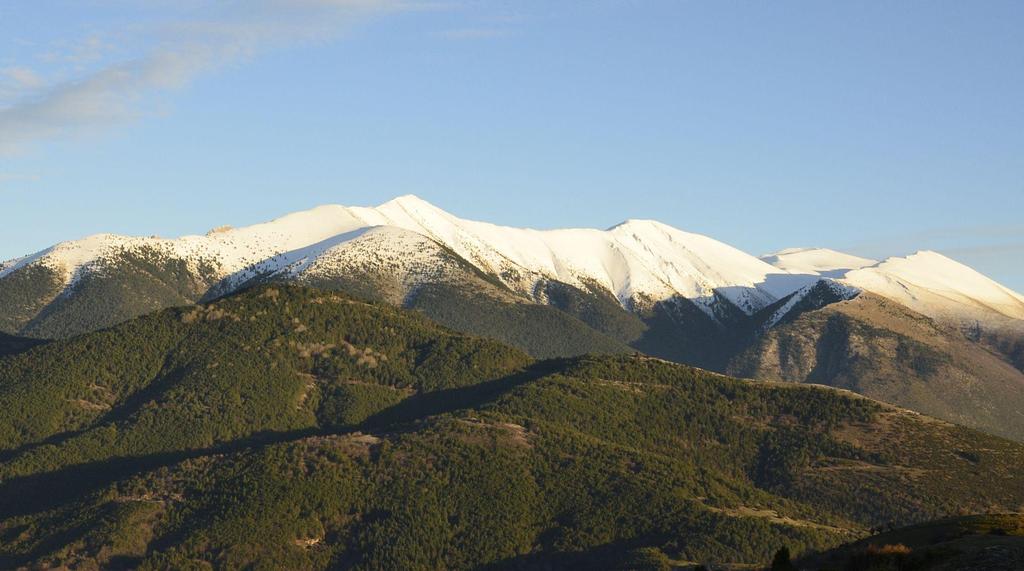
[921,331]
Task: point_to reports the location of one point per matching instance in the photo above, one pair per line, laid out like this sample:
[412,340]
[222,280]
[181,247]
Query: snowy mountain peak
[639,224]
[926,281]
[637,261]
[408,201]
[935,284]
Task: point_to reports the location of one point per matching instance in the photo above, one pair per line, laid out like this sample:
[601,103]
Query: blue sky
[877,128]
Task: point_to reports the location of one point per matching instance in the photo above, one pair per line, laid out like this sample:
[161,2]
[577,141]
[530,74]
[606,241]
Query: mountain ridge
[638,260]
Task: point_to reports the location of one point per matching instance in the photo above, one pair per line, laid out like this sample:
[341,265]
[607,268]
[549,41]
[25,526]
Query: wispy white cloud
[18,177]
[22,77]
[80,51]
[15,81]
[117,91]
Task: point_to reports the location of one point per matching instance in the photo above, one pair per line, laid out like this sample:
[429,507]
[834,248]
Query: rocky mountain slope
[879,348]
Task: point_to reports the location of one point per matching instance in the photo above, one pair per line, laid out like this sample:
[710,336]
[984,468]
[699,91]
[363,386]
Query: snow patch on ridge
[839,290]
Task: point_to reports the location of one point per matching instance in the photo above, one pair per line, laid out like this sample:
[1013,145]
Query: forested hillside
[286,427]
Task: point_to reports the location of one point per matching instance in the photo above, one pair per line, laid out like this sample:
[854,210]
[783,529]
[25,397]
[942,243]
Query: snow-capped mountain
[807,315]
[638,263]
[926,282]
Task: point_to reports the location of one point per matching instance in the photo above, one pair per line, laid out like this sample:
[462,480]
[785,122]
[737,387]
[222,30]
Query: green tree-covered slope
[293,428]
